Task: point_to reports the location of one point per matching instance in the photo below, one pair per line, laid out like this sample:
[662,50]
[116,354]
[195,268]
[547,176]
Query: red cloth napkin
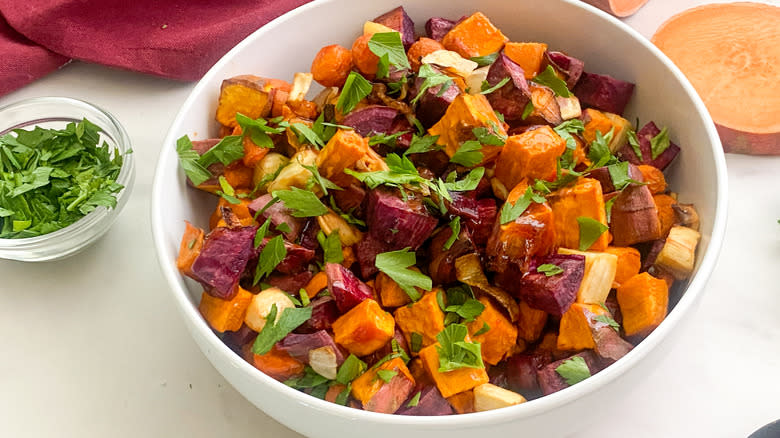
[177,39]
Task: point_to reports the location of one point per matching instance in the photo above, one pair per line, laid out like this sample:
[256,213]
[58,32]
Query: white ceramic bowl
[289,43]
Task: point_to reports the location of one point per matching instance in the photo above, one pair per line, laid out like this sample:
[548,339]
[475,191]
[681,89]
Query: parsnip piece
[451,61]
[488,396]
[301,85]
[294,174]
[679,252]
[569,107]
[331,222]
[371,27]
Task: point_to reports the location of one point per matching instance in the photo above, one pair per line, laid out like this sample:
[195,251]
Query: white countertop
[92,346]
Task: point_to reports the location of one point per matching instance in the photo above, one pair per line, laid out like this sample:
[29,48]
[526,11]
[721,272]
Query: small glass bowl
[56,112]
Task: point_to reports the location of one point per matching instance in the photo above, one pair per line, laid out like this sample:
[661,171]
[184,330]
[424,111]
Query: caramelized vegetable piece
[600,269]
[603,92]
[316,284]
[488,397]
[654,178]
[462,402]
[430,403]
[609,345]
[261,304]
[420,48]
[643,301]
[529,56]
[398,20]
[396,222]
[343,150]
[451,382]
[634,217]
[371,120]
[437,27]
[433,103]
[390,293]
[323,314]
[498,340]
[249,95]
[225,315]
[553,293]
[223,258]
[474,36]
[584,199]
[549,379]
[346,288]
[645,136]
[425,318]
[628,263]
[545,106]
[530,322]
[511,98]
[464,114]
[376,394]
[522,368]
[532,154]
[277,212]
[666,215]
[363,58]
[575,328]
[568,66]
[679,252]
[191,244]
[278,364]
[364,329]
[300,346]
[332,65]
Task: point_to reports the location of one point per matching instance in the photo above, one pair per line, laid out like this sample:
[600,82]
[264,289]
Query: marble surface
[92,346]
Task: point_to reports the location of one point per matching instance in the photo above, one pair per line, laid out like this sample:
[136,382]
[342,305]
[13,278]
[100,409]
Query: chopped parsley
[487,89]
[455,352]
[301,203]
[567,128]
[275,330]
[510,212]
[422,144]
[550,79]
[432,78]
[350,369]
[396,265]
[272,254]
[386,375]
[389,44]
[659,143]
[415,400]
[455,227]
[527,110]
[573,370]
[331,246]
[485,60]
[355,89]
[468,154]
[470,182]
[485,328]
[549,269]
[590,231]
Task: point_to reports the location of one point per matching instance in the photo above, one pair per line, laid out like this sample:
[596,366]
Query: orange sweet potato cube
[343,150]
[529,56]
[365,386]
[249,95]
[278,364]
[189,249]
[654,177]
[584,199]
[424,317]
[241,211]
[466,112]
[463,402]
[316,284]
[451,382]
[532,154]
[643,301]
[628,264]
[474,36]
[390,293]
[364,329]
[574,332]
[225,315]
[498,341]
[597,121]
[666,215]
[530,322]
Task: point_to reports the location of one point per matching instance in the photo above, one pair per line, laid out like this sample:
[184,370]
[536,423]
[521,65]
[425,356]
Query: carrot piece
[532,154]
[474,36]
[643,301]
[666,215]
[278,107]
[252,153]
[364,329]
[618,8]
[363,58]
[240,210]
[529,56]
[530,322]
[424,317]
[574,332]
[451,382]
[343,150]
[331,65]
[390,293]
[739,42]
[367,384]
[584,199]
[501,336]
[654,178]
[239,176]
[420,48]
[278,364]
[464,114]
[629,263]
[191,244]
[463,402]
[316,284]
[225,315]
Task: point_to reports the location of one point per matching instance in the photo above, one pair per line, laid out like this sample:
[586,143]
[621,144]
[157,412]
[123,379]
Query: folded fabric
[22,60]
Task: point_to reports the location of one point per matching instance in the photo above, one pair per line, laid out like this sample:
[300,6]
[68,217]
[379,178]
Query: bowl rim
[125,177]
[531,408]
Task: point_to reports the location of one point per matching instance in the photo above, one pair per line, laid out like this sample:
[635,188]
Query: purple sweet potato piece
[371,120]
[391,395]
[442,262]
[607,186]
[522,368]
[482,227]
[237,339]
[323,313]
[549,379]
[278,214]
[433,103]
[223,258]
[609,345]
[296,260]
[634,216]
[398,20]
[396,222]
[463,205]
[437,27]
[553,294]
[603,92]
[498,375]
[645,135]
[351,199]
[511,99]
[612,305]
[346,288]
[649,252]
[568,65]
[308,238]
[289,283]
[431,403]
[366,251]
[299,345]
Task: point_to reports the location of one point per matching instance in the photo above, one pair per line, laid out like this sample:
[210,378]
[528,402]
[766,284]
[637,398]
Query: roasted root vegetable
[225,315]
[343,150]
[634,217]
[278,364]
[421,321]
[260,307]
[600,270]
[498,334]
[364,329]
[629,263]
[532,154]
[379,395]
[191,244]
[452,382]
[643,301]
[575,329]
[332,65]
[584,199]
[346,288]
[679,252]
[488,397]
[529,56]
[530,322]
[249,95]
[390,293]
[603,92]
[474,36]
[222,259]
[554,293]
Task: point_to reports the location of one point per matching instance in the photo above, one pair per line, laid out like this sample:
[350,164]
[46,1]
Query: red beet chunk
[371,120]
[351,199]
[398,20]
[299,345]
[289,283]
[522,369]
[433,103]
[609,345]
[236,340]
[431,403]
[278,214]
[511,99]
[553,294]
[571,67]
[634,217]
[309,234]
[296,260]
[223,258]
[437,27]
[442,265]
[345,287]
[645,135]
[391,395]
[549,379]
[402,125]
[436,161]
[482,226]
[366,251]
[463,205]
[603,92]
[510,277]
[398,223]
[324,312]
[607,186]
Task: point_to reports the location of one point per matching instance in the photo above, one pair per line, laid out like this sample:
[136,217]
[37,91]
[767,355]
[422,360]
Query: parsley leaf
[599,153]
[485,60]
[301,203]
[422,144]
[416,342]
[529,108]
[415,400]
[433,78]
[468,154]
[389,44]
[310,379]
[491,137]
[321,181]
[276,329]
[228,150]
[396,265]
[487,89]
[386,375]
[455,352]
[227,192]
[331,246]
[634,142]
[608,207]
[305,300]
[549,269]
[355,89]
[258,130]
[307,135]
[388,139]
[347,216]
[350,369]
[510,212]
[606,319]
[618,173]
[485,328]
[261,232]
[573,370]
[550,79]
[590,231]
[567,128]
[401,171]
[189,160]
[272,254]
[455,227]
[659,143]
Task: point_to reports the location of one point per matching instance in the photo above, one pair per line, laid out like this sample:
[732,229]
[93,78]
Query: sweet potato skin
[498,341]
[643,301]
[424,317]
[278,364]
[364,329]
